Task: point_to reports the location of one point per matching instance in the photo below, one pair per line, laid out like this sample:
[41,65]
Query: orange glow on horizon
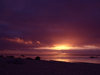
[69,47]
[61,47]
[57,47]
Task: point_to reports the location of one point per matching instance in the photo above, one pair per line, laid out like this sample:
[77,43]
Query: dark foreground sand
[12,66]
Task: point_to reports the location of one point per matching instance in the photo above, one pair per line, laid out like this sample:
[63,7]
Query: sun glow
[61,47]
[57,47]
[68,47]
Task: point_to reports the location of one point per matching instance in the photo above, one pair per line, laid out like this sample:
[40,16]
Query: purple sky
[33,23]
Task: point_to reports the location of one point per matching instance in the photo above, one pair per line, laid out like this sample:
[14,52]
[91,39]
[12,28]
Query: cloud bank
[50,22]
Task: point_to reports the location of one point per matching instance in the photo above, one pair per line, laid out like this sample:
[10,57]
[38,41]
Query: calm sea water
[63,55]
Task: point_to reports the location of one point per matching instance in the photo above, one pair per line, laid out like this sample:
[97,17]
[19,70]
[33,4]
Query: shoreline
[28,66]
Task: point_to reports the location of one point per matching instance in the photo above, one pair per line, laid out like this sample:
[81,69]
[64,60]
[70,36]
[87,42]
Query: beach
[28,66]
[49,37]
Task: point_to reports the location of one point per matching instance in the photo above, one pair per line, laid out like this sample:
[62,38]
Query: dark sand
[17,66]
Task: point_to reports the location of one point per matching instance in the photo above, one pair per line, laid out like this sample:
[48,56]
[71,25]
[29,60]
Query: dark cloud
[51,21]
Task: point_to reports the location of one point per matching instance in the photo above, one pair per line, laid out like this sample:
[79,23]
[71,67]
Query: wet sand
[18,66]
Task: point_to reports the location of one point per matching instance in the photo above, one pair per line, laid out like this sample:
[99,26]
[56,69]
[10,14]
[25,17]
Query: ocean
[73,56]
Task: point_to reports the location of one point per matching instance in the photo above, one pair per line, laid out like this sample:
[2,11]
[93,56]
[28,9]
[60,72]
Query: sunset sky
[43,24]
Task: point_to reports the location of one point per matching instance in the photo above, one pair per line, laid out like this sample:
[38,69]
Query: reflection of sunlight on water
[59,56]
[72,58]
[65,60]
